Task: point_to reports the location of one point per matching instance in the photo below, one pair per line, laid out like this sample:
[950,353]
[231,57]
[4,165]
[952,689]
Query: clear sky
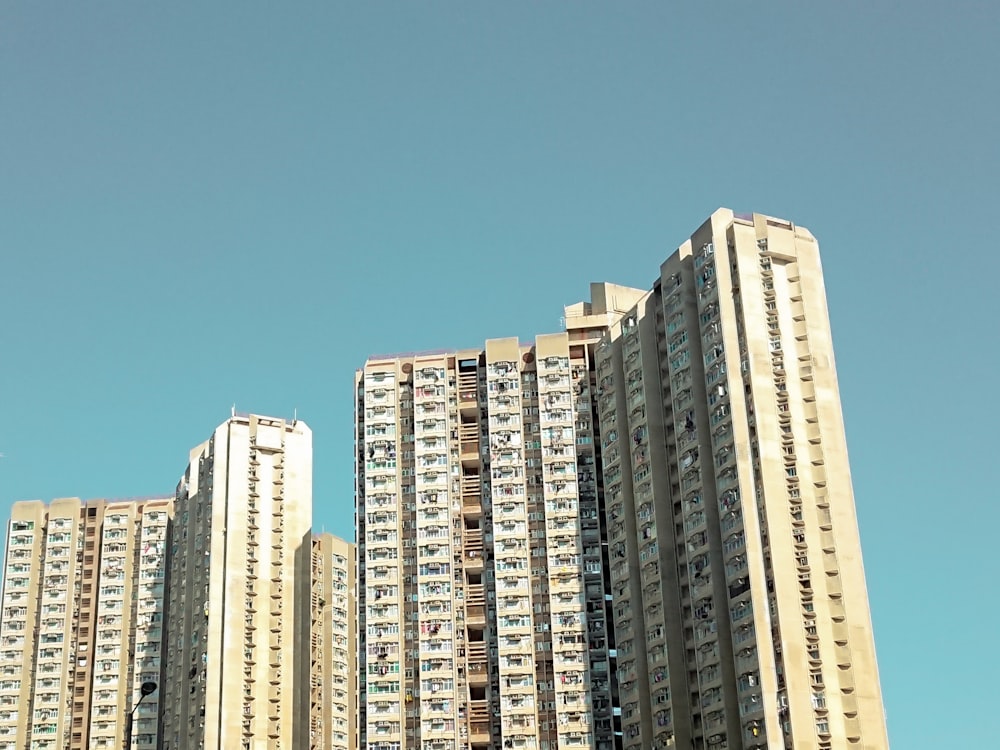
[238,203]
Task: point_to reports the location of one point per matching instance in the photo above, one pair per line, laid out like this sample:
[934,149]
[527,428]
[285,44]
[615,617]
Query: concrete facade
[333,645]
[80,624]
[239,591]
[637,533]
[481,590]
[741,610]
[678,451]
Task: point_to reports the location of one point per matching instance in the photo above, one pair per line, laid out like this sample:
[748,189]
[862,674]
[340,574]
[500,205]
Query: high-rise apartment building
[679,452]
[80,624]
[333,690]
[238,671]
[740,605]
[481,588]
[638,533]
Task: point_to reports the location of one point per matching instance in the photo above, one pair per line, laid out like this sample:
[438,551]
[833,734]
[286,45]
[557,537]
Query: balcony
[468,390]
[471,503]
[475,605]
[476,661]
[479,722]
[470,455]
[468,433]
[472,548]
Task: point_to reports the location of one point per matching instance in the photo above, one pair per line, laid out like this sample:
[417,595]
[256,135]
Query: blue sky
[238,204]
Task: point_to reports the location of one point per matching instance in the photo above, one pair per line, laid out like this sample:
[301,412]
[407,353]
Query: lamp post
[145,689]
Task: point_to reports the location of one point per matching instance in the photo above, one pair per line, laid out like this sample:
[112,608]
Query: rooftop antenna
[233,410]
[295,415]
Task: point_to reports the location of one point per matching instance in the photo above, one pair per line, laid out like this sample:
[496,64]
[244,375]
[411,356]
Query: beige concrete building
[740,605]
[696,429]
[80,624]
[481,595]
[333,644]
[638,533]
[237,673]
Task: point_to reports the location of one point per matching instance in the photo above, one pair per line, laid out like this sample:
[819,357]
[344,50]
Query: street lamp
[145,689]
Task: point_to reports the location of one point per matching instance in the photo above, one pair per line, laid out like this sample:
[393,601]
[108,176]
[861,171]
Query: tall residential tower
[334,686]
[238,596]
[481,588]
[740,605]
[81,623]
[651,512]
